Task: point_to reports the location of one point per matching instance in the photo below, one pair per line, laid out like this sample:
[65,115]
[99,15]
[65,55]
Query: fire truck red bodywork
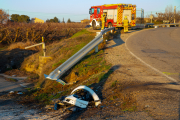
[115,14]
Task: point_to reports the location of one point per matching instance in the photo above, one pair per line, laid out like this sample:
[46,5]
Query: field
[23,32]
[14,37]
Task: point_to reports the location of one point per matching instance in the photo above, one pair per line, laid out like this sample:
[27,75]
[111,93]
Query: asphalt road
[159,48]
[9,86]
[6,86]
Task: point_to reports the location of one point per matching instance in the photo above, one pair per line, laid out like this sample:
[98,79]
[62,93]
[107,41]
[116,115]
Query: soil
[131,91]
[12,59]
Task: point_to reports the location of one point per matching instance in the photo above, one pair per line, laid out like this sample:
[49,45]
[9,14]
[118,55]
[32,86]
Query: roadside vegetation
[23,32]
[90,70]
[62,41]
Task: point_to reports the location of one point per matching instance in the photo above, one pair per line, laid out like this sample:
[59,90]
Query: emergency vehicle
[112,15]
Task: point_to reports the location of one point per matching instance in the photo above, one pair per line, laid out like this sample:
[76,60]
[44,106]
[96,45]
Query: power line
[47,12]
[156,10]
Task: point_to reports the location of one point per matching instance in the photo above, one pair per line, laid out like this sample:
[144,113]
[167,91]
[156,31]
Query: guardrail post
[43,46]
[96,49]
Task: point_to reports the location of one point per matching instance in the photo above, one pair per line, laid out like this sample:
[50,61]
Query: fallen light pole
[77,100]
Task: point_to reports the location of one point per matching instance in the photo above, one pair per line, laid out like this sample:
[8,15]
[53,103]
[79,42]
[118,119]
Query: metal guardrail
[168,25]
[59,71]
[152,24]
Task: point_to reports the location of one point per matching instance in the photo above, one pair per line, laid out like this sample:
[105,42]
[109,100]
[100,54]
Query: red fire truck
[109,15]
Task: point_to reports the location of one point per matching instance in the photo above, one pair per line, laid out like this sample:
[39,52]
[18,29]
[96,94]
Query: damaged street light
[80,99]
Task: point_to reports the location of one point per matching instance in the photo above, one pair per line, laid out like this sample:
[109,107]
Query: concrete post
[96,49]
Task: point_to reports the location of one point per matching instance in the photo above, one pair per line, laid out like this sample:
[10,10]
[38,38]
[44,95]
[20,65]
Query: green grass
[28,89]
[132,109]
[88,83]
[3,48]
[92,62]
[106,75]
[113,97]
[34,76]
[74,49]
[114,84]
[13,80]
[47,97]
[84,31]
[124,103]
[60,62]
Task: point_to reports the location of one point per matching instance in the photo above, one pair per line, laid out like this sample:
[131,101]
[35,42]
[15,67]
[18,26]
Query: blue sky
[76,10]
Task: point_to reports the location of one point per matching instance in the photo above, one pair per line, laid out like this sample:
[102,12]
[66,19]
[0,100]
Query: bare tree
[177,16]
[3,16]
[148,15]
[160,16]
[169,13]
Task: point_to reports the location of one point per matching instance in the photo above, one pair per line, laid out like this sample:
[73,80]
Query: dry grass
[90,65]
[59,51]
[22,45]
[22,32]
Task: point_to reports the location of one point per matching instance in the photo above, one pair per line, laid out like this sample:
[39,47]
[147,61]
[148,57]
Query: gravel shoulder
[156,95]
[153,95]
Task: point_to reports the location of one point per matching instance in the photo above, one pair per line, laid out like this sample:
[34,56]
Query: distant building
[85,21]
[36,20]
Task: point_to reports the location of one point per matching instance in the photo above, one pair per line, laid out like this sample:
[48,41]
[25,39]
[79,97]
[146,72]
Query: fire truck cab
[113,15]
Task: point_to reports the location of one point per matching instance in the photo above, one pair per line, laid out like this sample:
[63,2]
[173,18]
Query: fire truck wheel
[109,25]
[94,25]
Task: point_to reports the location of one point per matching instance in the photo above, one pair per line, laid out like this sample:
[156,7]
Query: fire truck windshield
[98,10]
[91,11]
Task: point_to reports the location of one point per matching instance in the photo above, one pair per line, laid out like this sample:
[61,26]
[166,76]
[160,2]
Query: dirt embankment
[12,59]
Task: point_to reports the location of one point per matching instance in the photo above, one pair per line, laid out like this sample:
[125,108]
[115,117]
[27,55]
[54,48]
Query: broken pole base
[43,60]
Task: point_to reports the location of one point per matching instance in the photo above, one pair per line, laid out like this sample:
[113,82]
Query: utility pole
[151,17]
[174,14]
[141,15]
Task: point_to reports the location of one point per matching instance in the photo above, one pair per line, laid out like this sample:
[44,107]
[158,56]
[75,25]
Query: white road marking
[172,79]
